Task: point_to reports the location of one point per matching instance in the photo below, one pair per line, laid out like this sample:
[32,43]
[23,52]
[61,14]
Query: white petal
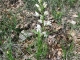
[45,4]
[37,5]
[46,13]
[38,28]
[36,14]
[39,1]
[44,33]
[47,23]
[41,16]
[40,21]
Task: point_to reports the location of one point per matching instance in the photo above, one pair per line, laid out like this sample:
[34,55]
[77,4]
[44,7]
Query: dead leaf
[75,15]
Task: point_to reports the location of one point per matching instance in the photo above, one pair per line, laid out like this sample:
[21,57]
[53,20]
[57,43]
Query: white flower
[7,52]
[37,5]
[40,21]
[44,33]
[41,16]
[36,14]
[38,28]
[73,22]
[46,13]
[47,23]
[45,4]
[39,1]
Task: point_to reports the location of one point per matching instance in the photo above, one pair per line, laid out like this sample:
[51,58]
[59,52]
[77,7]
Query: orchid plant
[41,12]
